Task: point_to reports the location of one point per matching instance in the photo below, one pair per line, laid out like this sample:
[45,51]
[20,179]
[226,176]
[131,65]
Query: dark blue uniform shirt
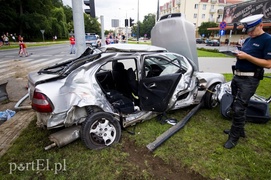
[259,47]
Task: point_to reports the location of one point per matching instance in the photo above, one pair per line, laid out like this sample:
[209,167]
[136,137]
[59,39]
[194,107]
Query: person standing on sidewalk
[241,41]
[248,71]
[72,43]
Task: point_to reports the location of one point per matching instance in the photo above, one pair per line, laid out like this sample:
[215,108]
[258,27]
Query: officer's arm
[266,63]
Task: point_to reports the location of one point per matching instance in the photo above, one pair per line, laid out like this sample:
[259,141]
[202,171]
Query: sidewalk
[11,129]
[219,65]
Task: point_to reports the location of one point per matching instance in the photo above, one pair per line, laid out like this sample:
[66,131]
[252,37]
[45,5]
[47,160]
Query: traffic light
[126,22]
[131,22]
[91,9]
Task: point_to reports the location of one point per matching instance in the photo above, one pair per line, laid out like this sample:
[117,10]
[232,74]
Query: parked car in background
[206,41]
[92,40]
[199,41]
[116,86]
[213,43]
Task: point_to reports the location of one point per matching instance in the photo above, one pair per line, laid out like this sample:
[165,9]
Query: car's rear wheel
[210,98]
[100,130]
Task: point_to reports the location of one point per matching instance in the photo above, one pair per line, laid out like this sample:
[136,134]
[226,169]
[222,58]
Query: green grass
[210,53]
[14,45]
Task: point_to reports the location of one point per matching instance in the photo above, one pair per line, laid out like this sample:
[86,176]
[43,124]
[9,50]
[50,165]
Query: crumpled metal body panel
[79,89]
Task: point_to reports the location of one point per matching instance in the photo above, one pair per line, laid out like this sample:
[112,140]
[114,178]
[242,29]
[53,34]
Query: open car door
[160,77]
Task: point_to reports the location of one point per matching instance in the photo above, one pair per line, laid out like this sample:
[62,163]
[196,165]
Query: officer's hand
[242,55]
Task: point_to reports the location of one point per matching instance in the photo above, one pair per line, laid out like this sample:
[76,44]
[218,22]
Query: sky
[121,9]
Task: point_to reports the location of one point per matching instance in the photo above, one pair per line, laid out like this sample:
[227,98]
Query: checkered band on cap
[251,22]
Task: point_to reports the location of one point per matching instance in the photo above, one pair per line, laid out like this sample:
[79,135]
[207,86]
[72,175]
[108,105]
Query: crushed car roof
[133,48]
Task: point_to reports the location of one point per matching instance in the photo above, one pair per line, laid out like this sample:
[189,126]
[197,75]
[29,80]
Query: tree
[146,26]
[28,18]
[202,29]
[148,23]
[69,18]
[59,25]
[91,24]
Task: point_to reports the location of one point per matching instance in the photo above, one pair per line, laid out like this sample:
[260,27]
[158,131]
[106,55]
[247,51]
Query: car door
[159,80]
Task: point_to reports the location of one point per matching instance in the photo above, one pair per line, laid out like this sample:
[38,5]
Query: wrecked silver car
[113,87]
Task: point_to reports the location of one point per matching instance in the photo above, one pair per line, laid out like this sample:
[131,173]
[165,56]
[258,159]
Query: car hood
[210,78]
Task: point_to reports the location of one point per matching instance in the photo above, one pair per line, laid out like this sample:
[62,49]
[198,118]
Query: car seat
[120,77]
[132,81]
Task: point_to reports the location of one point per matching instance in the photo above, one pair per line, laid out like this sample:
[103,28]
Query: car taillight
[41,103]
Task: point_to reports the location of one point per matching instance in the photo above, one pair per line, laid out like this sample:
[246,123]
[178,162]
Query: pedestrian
[72,43]
[13,38]
[123,38]
[248,71]
[6,40]
[22,46]
[107,41]
[111,38]
[54,38]
[19,37]
[241,41]
[1,41]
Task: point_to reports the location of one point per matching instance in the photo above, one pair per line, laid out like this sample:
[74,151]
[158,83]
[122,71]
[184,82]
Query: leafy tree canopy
[146,26]
[203,28]
[29,18]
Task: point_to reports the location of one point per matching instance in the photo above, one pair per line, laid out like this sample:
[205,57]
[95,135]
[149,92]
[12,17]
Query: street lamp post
[137,21]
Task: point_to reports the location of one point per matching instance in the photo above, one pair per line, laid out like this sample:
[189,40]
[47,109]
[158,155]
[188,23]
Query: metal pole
[126,38]
[102,26]
[126,30]
[230,37]
[137,21]
[79,27]
[158,9]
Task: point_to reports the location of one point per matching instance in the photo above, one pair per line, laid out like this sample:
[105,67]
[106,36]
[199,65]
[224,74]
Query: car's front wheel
[210,97]
[100,130]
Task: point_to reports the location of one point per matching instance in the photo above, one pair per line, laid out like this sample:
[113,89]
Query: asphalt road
[218,65]
[38,51]
[11,65]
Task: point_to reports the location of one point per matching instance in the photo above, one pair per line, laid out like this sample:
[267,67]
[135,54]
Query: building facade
[198,11]
[234,13]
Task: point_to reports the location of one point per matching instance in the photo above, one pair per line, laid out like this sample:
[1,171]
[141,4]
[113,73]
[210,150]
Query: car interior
[119,84]
[119,81]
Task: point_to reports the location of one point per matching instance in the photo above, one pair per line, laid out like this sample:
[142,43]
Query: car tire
[100,130]
[210,97]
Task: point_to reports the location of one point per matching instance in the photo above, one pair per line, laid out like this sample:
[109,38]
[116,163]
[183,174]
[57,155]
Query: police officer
[248,71]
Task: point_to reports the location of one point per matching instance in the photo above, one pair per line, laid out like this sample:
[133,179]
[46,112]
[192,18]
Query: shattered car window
[159,66]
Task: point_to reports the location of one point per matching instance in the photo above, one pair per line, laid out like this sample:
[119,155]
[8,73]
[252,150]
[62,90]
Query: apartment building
[198,11]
